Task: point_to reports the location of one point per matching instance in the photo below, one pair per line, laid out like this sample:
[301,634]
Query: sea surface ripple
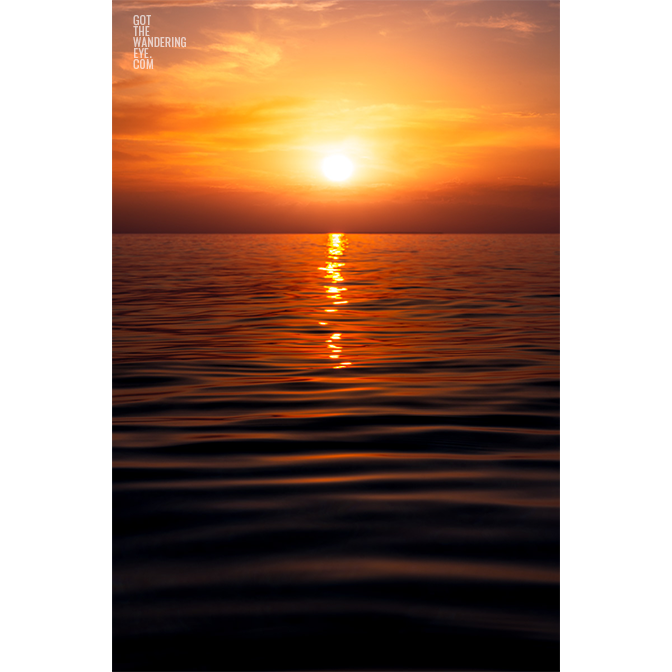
[336,452]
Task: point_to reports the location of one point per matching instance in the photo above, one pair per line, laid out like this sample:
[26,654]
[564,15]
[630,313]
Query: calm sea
[336,452]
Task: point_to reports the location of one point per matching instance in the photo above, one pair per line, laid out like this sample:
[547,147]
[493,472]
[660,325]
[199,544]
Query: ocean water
[336,452]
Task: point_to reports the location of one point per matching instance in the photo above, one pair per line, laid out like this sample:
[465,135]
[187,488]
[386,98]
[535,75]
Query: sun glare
[337,167]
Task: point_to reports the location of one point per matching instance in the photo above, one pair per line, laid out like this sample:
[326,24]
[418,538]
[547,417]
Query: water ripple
[336,452]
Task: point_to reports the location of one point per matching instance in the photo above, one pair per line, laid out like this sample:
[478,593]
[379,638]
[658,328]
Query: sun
[337,167]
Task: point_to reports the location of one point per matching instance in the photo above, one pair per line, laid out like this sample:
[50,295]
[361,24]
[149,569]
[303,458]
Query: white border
[56,337]
[615,336]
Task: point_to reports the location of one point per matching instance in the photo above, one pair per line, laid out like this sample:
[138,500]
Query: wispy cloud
[225,57]
[517,22]
[318,6]
[307,5]
[129,82]
[443,11]
[301,123]
[455,3]
[128,5]
[245,50]
[239,126]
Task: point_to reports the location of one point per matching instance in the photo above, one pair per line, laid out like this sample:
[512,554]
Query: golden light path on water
[334,291]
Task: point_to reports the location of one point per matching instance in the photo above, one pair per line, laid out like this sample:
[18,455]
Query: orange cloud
[516,22]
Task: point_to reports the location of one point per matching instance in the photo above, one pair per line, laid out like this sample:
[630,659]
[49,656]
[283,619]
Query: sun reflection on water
[334,293]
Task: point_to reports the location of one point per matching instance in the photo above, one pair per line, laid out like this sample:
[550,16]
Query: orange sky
[448,110]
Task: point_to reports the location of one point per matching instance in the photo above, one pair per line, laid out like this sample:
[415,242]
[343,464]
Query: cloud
[273,5]
[225,57]
[318,6]
[443,11]
[245,50]
[515,22]
[455,3]
[129,83]
[128,5]
[306,5]
[126,156]
[222,57]
[403,137]
[182,121]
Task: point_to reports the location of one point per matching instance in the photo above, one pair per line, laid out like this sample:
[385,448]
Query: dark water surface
[336,452]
